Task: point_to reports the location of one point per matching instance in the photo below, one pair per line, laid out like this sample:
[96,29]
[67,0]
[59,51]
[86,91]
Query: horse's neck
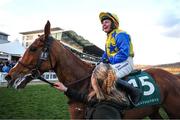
[69,67]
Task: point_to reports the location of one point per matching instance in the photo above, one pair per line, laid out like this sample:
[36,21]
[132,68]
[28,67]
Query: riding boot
[135,93]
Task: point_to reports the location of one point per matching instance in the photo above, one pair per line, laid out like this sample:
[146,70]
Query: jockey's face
[106,25]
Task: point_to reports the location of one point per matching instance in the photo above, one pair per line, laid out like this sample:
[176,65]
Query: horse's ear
[47,29]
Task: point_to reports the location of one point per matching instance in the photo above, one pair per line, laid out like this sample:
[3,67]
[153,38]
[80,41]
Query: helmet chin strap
[112,27]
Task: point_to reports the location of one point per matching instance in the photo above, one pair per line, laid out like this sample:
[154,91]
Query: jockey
[118,51]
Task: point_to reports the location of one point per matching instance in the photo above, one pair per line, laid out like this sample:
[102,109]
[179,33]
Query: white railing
[2,75]
[47,75]
[50,76]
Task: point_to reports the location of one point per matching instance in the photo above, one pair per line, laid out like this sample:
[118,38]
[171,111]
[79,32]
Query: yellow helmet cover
[112,16]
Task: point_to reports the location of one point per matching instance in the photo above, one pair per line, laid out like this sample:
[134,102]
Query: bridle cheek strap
[45,54]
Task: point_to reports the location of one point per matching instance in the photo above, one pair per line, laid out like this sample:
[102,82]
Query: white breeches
[124,68]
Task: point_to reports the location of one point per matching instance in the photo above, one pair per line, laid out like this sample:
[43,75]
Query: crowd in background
[5,66]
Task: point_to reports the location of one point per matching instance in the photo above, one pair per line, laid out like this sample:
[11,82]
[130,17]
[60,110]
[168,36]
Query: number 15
[143,83]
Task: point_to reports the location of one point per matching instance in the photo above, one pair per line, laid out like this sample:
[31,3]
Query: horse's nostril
[7,77]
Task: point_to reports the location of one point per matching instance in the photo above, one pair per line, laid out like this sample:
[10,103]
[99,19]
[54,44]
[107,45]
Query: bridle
[44,56]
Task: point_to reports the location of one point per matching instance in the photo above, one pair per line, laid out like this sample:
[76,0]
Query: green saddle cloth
[143,81]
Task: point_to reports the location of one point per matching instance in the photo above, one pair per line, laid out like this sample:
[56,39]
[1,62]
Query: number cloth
[151,93]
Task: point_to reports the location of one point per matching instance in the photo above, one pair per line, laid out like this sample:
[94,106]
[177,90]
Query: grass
[36,102]
[33,102]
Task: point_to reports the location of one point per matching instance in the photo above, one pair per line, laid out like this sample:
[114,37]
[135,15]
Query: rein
[45,54]
[35,73]
[52,84]
[77,81]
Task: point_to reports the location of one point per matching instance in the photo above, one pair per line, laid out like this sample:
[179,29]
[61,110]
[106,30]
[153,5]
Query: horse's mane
[68,52]
[75,73]
[73,56]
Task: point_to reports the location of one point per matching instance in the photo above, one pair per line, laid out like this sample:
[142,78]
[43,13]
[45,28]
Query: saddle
[132,73]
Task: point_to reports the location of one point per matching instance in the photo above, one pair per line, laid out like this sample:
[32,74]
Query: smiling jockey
[118,51]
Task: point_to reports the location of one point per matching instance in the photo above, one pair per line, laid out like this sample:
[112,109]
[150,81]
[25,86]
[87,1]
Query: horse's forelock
[38,41]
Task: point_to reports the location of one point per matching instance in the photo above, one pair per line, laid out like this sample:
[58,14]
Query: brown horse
[178,75]
[46,53]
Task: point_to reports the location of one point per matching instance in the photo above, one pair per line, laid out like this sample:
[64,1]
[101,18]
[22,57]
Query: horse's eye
[33,49]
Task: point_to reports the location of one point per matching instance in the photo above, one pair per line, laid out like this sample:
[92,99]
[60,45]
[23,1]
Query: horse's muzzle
[9,80]
[7,77]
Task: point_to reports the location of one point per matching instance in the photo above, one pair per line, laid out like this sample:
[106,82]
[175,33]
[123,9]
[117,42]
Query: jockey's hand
[60,86]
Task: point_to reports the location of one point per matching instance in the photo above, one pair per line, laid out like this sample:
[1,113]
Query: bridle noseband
[44,56]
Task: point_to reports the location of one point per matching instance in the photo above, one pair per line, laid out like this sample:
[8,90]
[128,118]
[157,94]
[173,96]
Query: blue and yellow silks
[118,47]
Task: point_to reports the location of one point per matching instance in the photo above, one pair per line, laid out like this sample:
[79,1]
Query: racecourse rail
[50,76]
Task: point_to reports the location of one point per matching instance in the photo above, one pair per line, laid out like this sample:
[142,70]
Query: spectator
[6,67]
[1,66]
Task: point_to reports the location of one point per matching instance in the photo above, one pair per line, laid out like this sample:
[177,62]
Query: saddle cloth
[143,81]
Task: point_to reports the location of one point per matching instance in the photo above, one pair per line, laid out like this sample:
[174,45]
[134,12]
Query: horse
[47,53]
[178,75]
